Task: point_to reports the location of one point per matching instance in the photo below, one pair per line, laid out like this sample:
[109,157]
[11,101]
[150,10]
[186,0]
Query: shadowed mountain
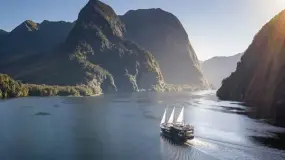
[218,68]
[94,54]
[3,34]
[260,78]
[163,35]
[30,37]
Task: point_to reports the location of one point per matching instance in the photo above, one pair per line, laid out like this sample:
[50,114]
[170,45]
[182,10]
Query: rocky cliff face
[162,33]
[218,68]
[260,78]
[95,54]
[30,37]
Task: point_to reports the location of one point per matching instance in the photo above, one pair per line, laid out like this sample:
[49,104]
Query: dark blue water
[127,127]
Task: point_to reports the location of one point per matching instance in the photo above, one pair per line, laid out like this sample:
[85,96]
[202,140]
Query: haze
[215,28]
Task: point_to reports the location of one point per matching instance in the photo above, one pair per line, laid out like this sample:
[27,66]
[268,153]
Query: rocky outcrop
[218,68]
[163,35]
[95,54]
[260,78]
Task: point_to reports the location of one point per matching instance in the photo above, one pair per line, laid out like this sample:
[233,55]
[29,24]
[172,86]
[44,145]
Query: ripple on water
[186,151]
[42,114]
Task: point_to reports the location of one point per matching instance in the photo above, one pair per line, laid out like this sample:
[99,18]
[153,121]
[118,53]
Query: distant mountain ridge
[2,32]
[164,36]
[218,68]
[30,37]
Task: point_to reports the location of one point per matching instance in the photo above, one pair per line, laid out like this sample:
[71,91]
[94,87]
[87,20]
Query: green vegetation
[91,70]
[45,90]
[10,88]
[31,25]
[174,88]
[133,81]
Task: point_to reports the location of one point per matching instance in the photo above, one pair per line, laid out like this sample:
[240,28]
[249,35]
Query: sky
[214,27]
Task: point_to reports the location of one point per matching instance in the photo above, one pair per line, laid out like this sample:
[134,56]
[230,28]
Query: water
[127,127]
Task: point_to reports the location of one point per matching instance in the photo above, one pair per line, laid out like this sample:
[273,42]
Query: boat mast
[163,120]
[171,118]
[180,118]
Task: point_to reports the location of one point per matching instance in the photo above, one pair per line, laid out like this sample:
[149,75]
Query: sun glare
[280,1]
[280,4]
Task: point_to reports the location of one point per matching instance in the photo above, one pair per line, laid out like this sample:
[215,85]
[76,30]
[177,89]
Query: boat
[177,130]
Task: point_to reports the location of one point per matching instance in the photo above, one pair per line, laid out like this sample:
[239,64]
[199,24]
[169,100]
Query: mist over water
[127,127]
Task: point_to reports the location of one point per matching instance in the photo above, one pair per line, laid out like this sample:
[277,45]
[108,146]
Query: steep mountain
[95,54]
[163,35]
[30,37]
[260,78]
[218,68]
[3,34]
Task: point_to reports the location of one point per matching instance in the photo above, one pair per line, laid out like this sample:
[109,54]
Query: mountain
[259,78]
[218,68]
[30,37]
[3,34]
[163,35]
[95,54]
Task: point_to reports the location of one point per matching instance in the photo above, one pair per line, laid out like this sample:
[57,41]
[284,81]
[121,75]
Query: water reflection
[276,141]
[127,127]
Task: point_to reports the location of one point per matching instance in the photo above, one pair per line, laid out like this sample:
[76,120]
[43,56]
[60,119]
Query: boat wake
[173,151]
[199,148]
[201,144]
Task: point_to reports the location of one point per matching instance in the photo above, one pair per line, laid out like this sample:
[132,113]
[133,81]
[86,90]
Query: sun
[277,5]
[280,3]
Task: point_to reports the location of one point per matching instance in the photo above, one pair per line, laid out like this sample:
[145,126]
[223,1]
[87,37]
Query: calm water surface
[127,127]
